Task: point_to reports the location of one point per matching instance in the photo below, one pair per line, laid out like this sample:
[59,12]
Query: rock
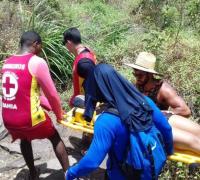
[53,164]
[11,147]
[16,164]
[3,130]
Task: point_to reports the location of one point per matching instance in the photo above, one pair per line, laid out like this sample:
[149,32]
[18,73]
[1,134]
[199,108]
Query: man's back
[167,96]
[20,94]
[83,57]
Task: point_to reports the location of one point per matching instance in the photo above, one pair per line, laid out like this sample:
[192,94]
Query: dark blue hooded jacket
[104,84]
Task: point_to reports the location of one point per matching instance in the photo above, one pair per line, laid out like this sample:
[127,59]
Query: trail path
[12,165]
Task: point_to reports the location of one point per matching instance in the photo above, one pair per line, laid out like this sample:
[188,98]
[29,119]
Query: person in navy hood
[127,111]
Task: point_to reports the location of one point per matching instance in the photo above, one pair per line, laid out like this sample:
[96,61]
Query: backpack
[145,156]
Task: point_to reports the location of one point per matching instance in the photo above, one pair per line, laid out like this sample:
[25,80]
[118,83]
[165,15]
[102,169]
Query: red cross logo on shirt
[7,85]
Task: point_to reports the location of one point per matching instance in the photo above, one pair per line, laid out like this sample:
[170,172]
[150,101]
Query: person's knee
[25,142]
[79,101]
[55,139]
[197,140]
[193,141]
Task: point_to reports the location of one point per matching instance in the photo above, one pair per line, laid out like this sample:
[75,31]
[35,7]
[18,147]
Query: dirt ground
[12,165]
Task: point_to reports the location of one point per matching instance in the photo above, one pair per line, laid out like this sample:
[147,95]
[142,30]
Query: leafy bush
[170,16]
[193,13]
[9,29]
[39,16]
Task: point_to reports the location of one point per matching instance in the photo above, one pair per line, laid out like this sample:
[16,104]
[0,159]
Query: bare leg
[60,151]
[185,124]
[185,141]
[27,152]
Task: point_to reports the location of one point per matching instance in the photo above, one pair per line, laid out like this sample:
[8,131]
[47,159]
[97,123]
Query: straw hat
[145,62]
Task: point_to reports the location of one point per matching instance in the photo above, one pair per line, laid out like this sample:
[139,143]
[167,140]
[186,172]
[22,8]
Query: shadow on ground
[46,173]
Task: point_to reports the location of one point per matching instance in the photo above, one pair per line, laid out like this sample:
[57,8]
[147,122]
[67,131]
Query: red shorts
[43,130]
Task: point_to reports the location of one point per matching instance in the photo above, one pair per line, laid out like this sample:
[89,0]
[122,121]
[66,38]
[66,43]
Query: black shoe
[37,174]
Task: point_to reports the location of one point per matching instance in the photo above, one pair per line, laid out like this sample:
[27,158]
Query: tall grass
[47,21]
[41,18]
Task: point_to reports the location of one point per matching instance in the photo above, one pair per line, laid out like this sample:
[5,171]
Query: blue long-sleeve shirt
[110,134]
[162,125]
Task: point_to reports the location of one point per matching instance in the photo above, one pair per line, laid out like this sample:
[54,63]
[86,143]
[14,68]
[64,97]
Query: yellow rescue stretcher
[73,119]
[185,157]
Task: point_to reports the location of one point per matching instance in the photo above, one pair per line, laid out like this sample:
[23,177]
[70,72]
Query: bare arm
[168,95]
[40,70]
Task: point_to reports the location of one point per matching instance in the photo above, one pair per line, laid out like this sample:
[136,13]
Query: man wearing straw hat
[186,133]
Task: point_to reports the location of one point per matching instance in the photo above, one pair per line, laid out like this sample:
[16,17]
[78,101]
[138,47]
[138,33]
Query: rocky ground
[12,165]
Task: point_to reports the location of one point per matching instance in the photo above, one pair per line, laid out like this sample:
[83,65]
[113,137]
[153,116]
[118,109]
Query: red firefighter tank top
[20,104]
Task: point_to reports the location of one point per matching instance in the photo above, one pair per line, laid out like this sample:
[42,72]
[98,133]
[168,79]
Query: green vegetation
[117,31]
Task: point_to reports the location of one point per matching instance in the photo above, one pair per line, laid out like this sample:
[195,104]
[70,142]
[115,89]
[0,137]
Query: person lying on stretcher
[186,133]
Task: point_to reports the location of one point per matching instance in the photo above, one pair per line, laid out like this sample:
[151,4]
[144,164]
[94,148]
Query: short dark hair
[84,67]
[72,34]
[29,37]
